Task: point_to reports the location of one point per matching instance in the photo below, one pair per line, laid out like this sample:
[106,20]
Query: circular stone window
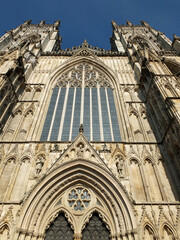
[79,198]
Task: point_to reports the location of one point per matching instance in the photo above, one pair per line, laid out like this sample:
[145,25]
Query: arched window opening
[173,66]
[59,229]
[37,94]
[167,233]
[6,176]
[82,95]
[4,232]
[27,94]
[136,180]
[95,229]
[148,233]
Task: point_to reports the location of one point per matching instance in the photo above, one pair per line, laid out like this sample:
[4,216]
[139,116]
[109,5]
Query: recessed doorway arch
[53,194]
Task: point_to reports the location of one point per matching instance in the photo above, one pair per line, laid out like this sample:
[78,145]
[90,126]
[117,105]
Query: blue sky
[91,20]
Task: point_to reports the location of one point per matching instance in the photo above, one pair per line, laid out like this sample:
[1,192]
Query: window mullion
[52,121]
[91,125]
[109,114]
[82,95]
[72,115]
[100,114]
[63,113]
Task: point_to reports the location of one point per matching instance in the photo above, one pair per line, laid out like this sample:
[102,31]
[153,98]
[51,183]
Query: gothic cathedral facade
[89,138]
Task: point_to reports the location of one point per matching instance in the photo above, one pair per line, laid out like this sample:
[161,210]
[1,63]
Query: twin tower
[89,138]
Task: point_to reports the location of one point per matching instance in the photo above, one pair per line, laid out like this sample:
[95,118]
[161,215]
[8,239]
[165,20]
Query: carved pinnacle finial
[85,43]
[81,128]
[129,23]
[57,24]
[114,24]
[27,22]
[143,23]
[42,22]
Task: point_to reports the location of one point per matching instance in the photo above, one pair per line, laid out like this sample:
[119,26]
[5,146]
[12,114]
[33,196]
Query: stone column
[124,237]
[146,189]
[77,236]
[22,236]
[12,181]
[136,236]
[28,237]
[114,237]
[161,187]
[130,237]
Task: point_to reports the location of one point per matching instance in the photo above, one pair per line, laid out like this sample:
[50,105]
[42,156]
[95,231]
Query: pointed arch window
[60,229]
[83,95]
[95,229]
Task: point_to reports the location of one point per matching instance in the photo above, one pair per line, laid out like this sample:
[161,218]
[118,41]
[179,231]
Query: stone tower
[89,138]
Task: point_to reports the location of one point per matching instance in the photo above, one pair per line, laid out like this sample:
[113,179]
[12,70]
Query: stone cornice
[84,50]
[106,53]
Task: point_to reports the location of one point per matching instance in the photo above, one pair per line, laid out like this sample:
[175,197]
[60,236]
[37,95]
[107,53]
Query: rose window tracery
[79,198]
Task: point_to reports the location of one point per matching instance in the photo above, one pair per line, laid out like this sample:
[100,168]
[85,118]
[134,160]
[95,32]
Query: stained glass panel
[87,113]
[57,120]
[67,119]
[95,229]
[116,132]
[95,116]
[105,117]
[59,229]
[77,110]
[49,115]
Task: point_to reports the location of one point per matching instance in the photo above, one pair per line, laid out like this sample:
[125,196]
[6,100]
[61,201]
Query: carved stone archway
[50,196]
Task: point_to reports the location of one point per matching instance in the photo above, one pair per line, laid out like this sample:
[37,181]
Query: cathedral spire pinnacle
[129,23]
[27,22]
[42,22]
[114,24]
[85,44]
[57,24]
[143,23]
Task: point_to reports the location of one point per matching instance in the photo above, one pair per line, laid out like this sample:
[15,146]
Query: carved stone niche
[80,150]
[39,163]
[120,165]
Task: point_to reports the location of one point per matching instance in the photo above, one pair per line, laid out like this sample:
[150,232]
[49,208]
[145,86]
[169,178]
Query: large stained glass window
[85,96]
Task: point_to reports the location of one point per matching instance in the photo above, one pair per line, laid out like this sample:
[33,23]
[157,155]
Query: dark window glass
[95,229]
[67,119]
[114,119]
[59,229]
[105,117]
[57,119]
[49,115]
[87,113]
[76,120]
[86,117]
[95,116]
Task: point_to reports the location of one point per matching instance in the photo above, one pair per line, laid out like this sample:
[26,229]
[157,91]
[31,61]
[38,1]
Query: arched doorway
[59,229]
[95,229]
[79,188]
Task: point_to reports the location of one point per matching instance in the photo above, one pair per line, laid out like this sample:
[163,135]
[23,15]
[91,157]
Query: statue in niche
[80,151]
[39,164]
[120,165]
